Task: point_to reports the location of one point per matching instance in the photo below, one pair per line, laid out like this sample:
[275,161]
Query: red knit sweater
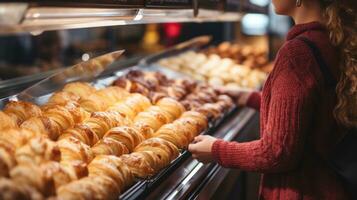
[297,126]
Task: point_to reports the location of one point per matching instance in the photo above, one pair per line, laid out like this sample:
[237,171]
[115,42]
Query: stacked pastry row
[93,142]
[215,70]
[251,56]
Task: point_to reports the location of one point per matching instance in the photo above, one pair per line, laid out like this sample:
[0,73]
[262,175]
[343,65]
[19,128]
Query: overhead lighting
[255,24]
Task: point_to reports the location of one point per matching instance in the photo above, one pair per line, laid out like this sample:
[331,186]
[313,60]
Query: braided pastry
[6,121]
[130,137]
[20,111]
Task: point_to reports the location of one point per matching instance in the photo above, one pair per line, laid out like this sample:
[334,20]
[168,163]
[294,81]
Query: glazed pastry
[109,146]
[150,156]
[82,132]
[20,111]
[101,122]
[103,99]
[173,107]
[73,149]
[81,89]
[45,177]
[6,121]
[10,141]
[128,136]
[37,150]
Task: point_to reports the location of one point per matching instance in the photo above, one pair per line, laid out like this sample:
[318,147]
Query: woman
[301,119]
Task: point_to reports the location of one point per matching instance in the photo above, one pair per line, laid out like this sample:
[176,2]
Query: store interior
[236,52]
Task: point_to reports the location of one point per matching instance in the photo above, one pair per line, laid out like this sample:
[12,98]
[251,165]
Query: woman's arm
[254,100]
[282,144]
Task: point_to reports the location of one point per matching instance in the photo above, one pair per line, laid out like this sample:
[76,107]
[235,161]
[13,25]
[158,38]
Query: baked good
[20,111]
[126,135]
[6,121]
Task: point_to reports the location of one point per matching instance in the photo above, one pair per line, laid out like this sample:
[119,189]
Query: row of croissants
[88,143]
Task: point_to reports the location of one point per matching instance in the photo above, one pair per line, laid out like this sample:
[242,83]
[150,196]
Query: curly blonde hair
[340,17]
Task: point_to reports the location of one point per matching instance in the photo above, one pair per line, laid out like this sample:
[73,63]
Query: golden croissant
[83,133]
[108,176]
[73,149]
[10,141]
[128,136]
[6,121]
[37,150]
[45,177]
[103,99]
[101,122]
[20,111]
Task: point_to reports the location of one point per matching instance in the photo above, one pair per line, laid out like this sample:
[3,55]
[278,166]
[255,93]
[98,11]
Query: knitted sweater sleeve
[281,145]
[254,100]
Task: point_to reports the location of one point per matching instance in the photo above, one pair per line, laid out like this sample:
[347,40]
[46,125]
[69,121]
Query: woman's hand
[201,149]
[239,95]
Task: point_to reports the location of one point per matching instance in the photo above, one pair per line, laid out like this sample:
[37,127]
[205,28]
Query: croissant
[128,136]
[175,134]
[82,132]
[226,101]
[141,164]
[102,99]
[20,111]
[182,131]
[211,110]
[73,149]
[150,156]
[56,119]
[152,119]
[172,106]
[45,177]
[81,89]
[145,130]
[9,190]
[9,142]
[6,121]
[61,98]
[132,105]
[101,122]
[156,145]
[112,167]
[89,188]
[108,176]
[37,150]
[75,169]
[200,119]
[42,125]
[109,146]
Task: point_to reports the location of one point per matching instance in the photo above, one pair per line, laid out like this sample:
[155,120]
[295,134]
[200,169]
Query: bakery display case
[108,127]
